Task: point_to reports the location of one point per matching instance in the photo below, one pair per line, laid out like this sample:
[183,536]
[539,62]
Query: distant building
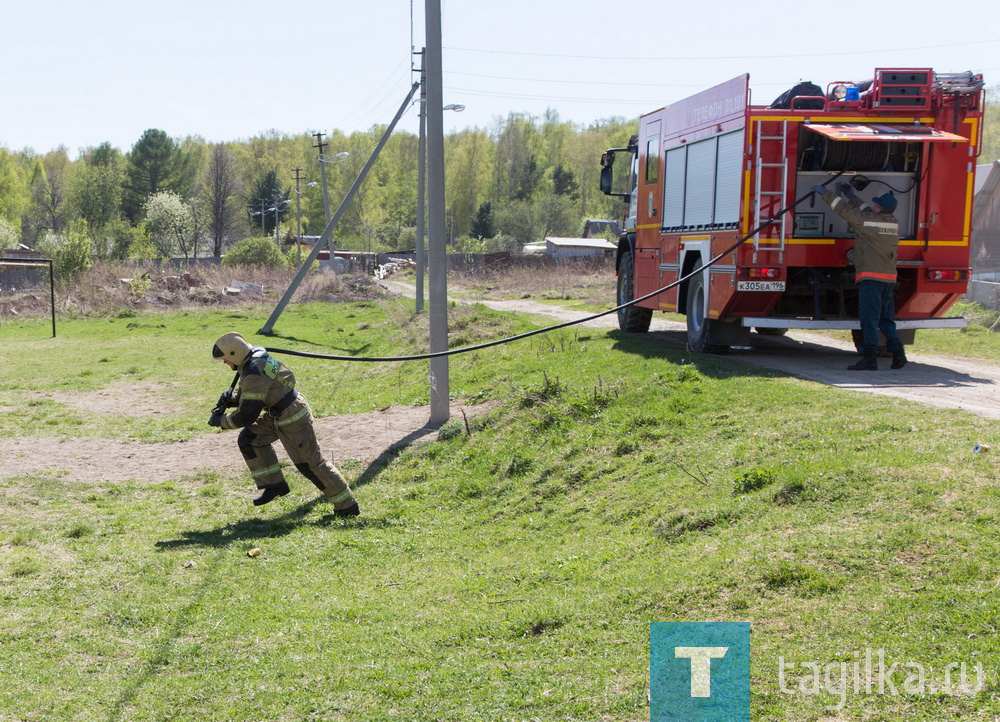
[599,228]
[579,247]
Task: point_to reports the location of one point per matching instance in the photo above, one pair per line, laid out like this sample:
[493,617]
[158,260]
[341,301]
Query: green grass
[507,572]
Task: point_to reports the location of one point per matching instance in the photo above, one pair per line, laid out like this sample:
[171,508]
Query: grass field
[509,571]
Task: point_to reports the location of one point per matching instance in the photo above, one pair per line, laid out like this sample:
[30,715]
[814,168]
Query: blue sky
[79,74]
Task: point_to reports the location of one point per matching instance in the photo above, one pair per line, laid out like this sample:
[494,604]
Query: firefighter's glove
[819,190]
[847,190]
[216,420]
[226,401]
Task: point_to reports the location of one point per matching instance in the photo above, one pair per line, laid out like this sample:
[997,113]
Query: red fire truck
[713,170]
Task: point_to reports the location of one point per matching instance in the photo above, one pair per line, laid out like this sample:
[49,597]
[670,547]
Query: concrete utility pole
[421,174]
[298,216]
[322,173]
[326,195]
[436,241]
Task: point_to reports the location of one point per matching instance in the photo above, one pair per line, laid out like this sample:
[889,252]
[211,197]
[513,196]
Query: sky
[80,74]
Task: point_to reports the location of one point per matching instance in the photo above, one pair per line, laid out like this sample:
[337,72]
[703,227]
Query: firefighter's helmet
[231,347]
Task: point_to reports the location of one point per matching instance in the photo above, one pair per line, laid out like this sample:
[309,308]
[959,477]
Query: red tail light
[947,274]
[770,273]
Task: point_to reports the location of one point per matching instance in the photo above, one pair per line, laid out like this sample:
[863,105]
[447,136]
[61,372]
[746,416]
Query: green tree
[468,158]
[95,192]
[50,180]
[170,224]
[563,182]
[70,251]
[155,163]
[482,222]
[9,235]
[517,168]
[14,193]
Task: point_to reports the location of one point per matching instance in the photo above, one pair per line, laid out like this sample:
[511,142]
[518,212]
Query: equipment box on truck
[721,185]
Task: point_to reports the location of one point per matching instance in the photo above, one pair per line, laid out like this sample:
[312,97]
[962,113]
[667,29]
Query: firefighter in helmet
[875,254]
[269,409]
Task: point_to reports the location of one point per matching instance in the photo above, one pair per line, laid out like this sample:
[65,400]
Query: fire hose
[565,324]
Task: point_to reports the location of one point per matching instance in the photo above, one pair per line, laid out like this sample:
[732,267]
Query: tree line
[523,178]
[513,183]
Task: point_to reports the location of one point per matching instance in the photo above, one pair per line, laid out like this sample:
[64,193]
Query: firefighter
[269,409]
[877,237]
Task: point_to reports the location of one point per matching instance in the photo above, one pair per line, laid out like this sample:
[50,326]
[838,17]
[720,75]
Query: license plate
[760,286]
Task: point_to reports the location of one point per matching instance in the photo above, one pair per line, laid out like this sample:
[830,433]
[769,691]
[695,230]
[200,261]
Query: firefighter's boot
[351,510]
[898,359]
[868,363]
[270,493]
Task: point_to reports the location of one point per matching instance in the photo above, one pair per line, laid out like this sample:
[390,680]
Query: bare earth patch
[143,399]
[89,460]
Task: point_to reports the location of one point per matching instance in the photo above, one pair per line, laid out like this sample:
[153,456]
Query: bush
[256,251]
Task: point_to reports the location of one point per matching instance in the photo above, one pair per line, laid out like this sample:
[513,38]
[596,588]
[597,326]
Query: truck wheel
[632,318]
[698,326]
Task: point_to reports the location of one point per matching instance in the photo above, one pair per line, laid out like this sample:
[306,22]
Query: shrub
[255,251]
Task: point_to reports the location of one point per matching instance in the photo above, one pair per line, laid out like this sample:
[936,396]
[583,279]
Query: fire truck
[719,216]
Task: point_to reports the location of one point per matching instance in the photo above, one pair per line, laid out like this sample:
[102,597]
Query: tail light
[763,272]
[947,274]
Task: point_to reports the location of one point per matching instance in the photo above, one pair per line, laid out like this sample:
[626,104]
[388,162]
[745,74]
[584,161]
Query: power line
[602,58]
[526,96]
[615,83]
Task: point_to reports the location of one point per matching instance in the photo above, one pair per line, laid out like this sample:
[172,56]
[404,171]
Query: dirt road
[969,385]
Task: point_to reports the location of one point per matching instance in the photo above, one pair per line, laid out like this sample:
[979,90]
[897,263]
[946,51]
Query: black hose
[527,334]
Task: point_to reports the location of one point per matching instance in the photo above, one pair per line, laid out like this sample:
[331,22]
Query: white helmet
[231,347]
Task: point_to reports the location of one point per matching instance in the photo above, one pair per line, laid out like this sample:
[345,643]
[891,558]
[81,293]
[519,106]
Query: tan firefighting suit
[269,409]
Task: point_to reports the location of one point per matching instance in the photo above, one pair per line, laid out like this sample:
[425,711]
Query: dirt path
[969,385]
[88,460]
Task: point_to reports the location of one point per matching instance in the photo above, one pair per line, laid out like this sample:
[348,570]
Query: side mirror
[607,178]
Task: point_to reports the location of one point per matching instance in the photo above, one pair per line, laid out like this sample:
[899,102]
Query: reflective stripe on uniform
[875,276]
[342,497]
[835,202]
[882,227]
[302,412]
[265,472]
[254,397]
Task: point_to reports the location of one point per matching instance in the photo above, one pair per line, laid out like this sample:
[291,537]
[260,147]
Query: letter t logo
[701,666]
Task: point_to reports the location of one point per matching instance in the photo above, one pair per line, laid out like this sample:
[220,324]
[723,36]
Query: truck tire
[699,327]
[632,318]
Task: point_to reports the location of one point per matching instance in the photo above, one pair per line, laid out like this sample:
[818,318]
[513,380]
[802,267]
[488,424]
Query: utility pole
[436,241]
[421,174]
[298,216]
[326,195]
[322,173]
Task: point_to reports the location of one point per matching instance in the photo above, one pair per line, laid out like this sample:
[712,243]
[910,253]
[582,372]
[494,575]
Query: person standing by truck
[876,231]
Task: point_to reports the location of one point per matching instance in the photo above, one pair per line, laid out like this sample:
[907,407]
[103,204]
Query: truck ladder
[773,193]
